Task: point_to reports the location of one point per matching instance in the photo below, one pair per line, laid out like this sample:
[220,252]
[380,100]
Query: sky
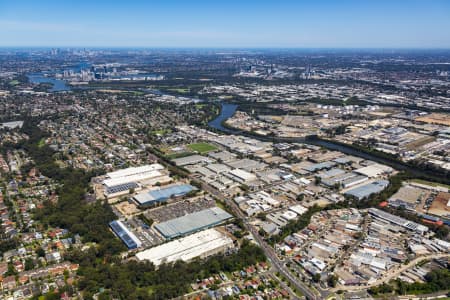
[226,23]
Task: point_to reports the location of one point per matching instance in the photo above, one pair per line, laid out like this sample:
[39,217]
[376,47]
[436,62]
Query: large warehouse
[122,181]
[201,244]
[366,190]
[161,195]
[125,235]
[190,223]
[242,176]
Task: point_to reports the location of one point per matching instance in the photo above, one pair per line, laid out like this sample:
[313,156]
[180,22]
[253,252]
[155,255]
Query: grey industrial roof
[320,166]
[368,189]
[163,194]
[193,222]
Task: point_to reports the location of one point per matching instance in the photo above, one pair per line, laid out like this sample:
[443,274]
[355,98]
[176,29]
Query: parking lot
[179,209]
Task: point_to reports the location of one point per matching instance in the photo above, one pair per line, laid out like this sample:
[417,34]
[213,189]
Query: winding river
[228,111]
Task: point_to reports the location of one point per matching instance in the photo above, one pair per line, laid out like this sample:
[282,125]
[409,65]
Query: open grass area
[14,82]
[180,90]
[202,147]
[161,131]
[430,183]
[179,155]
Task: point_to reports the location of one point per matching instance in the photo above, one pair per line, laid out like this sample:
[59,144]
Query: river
[57,84]
[229,109]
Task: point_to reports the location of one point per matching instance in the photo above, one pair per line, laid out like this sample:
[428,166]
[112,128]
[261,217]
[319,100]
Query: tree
[332,280]
[29,264]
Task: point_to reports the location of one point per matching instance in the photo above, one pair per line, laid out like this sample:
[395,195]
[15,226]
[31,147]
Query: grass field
[431,183]
[202,147]
[178,155]
[180,90]
[161,131]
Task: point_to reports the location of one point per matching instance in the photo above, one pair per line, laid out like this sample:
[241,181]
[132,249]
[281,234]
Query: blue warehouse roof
[161,195]
[366,190]
[129,239]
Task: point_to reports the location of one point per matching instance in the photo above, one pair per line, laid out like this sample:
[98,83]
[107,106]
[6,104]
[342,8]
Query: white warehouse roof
[134,170]
[201,244]
[132,178]
[374,170]
[243,175]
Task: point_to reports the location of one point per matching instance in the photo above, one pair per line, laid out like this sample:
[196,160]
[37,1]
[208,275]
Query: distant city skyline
[226,24]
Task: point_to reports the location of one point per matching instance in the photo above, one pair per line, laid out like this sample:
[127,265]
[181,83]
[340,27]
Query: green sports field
[202,147]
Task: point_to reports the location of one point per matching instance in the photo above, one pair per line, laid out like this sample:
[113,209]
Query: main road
[277,264]
[268,250]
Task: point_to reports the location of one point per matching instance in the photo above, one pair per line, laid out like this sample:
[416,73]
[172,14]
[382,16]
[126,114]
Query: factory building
[201,244]
[129,239]
[366,190]
[190,223]
[241,176]
[410,225]
[162,195]
[120,182]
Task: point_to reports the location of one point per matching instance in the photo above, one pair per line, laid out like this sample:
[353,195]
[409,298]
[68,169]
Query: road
[390,274]
[268,250]
[277,264]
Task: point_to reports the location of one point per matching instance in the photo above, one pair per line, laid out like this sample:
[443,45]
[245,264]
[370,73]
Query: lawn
[161,131]
[202,147]
[436,184]
[180,90]
[178,155]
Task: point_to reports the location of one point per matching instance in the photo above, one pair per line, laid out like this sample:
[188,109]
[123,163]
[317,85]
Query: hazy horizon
[323,24]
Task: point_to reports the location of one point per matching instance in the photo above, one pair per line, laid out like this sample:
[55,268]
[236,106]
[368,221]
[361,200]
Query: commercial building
[161,195]
[201,244]
[129,239]
[190,223]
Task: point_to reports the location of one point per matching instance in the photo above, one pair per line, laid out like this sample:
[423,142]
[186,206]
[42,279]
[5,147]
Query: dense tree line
[70,211]
[101,267]
[141,280]
[436,280]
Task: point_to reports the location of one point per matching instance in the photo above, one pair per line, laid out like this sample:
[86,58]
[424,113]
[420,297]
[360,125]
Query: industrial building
[129,239]
[201,244]
[241,176]
[366,190]
[161,195]
[344,179]
[410,225]
[191,160]
[122,181]
[190,223]
[374,170]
